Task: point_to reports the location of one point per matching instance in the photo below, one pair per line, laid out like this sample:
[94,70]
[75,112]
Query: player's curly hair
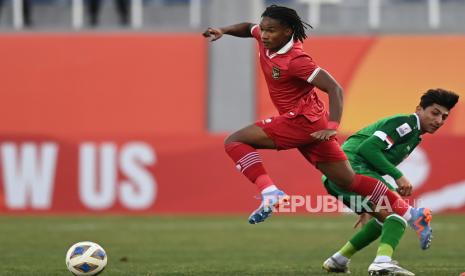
[290,18]
[439,96]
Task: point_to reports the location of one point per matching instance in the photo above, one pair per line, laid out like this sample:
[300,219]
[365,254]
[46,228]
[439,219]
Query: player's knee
[348,179]
[339,173]
[230,139]
[343,182]
[236,137]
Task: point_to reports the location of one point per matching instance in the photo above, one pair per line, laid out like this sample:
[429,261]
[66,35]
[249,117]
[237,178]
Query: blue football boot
[421,223]
[270,201]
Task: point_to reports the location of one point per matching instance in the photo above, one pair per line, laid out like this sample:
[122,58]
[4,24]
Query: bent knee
[230,139]
[343,182]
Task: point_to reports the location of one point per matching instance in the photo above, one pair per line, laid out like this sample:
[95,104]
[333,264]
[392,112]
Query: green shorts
[357,203]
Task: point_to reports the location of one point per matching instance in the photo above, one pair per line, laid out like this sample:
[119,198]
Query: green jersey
[381,146]
[375,151]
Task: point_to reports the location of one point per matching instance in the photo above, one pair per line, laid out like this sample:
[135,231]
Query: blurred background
[122,106]
[113,115]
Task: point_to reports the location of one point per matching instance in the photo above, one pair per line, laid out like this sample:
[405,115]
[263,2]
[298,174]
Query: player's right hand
[404,187]
[213,34]
[324,135]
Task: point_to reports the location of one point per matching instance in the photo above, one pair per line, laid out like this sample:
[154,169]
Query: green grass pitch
[214,245]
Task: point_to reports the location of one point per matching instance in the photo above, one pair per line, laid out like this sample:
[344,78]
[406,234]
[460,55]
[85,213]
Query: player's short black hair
[439,96]
[288,17]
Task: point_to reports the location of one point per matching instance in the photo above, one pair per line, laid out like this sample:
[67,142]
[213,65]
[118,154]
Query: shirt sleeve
[372,151]
[303,67]
[394,130]
[255,31]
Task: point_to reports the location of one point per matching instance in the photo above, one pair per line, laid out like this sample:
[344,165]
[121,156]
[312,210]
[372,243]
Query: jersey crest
[404,129]
[275,72]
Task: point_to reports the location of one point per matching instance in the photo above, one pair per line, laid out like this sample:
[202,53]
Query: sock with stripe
[249,163]
[377,190]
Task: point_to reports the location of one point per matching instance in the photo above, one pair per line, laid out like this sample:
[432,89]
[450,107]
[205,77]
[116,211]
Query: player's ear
[419,108]
[289,32]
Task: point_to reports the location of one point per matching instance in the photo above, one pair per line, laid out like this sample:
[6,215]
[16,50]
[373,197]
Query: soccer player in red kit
[303,121]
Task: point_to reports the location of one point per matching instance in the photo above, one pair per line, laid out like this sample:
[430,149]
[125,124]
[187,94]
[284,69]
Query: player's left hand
[324,135]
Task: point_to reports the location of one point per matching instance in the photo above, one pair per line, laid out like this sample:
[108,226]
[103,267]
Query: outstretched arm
[239,30]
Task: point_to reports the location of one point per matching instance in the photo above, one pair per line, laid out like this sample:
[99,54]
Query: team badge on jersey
[404,129]
[275,72]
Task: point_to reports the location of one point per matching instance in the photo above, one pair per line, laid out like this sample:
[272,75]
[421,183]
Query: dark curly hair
[439,96]
[288,17]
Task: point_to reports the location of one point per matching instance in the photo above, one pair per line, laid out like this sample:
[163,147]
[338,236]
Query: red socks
[367,186]
[263,181]
[249,163]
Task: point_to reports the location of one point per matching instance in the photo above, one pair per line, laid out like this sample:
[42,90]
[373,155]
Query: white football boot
[330,265]
[388,268]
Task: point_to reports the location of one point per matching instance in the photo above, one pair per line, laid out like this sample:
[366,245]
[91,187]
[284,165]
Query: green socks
[393,230]
[348,250]
[369,233]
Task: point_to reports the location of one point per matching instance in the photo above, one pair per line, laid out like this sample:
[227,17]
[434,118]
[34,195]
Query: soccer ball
[86,258]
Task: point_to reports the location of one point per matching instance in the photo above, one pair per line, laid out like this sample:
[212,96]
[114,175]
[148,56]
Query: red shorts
[289,131]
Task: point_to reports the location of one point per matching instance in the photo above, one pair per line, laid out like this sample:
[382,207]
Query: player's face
[432,117]
[274,34]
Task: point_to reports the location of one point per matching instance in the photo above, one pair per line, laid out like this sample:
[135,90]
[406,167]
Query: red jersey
[288,74]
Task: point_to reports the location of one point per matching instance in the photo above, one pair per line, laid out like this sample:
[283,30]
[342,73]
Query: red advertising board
[65,84]
[184,174]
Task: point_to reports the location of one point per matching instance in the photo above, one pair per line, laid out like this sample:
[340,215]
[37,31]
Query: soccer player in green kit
[375,151]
